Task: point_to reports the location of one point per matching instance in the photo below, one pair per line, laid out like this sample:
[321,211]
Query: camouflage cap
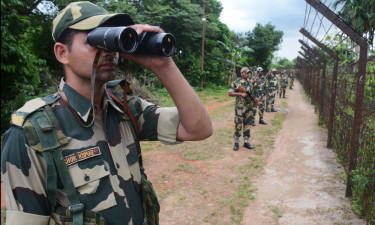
[245,70]
[86,16]
[274,70]
[260,69]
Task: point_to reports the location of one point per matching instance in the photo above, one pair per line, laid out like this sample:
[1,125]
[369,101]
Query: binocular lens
[168,45]
[115,39]
[161,44]
[128,40]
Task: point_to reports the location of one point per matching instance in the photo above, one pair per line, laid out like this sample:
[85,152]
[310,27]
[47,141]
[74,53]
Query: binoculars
[126,40]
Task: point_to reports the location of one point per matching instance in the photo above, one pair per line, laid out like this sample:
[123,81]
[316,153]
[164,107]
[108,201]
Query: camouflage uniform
[283,84]
[291,76]
[260,92]
[243,109]
[273,85]
[107,175]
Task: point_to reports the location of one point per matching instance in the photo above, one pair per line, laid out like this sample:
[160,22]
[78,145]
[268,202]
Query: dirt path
[301,181]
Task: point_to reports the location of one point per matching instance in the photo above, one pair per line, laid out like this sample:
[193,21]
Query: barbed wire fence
[336,69]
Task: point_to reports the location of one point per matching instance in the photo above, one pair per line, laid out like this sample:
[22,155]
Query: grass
[284,104]
[278,212]
[3,211]
[218,94]
[186,167]
[277,121]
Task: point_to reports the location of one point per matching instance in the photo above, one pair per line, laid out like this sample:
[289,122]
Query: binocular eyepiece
[126,40]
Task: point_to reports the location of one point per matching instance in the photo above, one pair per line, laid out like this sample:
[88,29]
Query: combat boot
[273,110]
[248,146]
[236,147]
[253,124]
[262,122]
[267,110]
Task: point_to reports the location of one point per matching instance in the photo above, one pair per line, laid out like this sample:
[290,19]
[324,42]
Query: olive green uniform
[273,86]
[291,78]
[243,117]
[260,93]
[283,84]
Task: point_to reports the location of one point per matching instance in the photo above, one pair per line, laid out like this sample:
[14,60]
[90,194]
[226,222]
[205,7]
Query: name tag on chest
[82,155]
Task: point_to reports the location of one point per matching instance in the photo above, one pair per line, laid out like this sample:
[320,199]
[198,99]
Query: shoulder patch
[18,117]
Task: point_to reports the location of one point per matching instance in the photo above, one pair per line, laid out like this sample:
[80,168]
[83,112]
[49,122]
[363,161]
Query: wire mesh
[346,90]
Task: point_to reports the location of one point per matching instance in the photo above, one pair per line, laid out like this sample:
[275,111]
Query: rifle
[240,88]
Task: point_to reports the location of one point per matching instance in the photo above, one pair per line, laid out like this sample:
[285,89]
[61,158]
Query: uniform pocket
[91,180]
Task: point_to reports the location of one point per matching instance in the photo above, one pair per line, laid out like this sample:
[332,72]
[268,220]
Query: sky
[285,15]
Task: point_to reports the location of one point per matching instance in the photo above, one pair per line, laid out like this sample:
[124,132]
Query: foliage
[20,66]
[359,14]
[283,63]
[370,81]
[362,180]
[233,56]
[264,40]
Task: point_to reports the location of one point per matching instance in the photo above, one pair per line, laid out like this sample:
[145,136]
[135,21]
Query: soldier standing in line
[292,76]
[283,83]
[273,87]
[260,92]
[243,117]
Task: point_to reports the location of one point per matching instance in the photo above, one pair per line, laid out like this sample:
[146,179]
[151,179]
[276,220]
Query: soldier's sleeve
[23,173]
[232,87]
[158,123]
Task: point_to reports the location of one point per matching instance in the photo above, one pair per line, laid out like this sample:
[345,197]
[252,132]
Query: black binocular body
[126,40]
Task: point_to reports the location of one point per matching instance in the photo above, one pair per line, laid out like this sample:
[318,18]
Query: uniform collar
[111,101]
[80,104]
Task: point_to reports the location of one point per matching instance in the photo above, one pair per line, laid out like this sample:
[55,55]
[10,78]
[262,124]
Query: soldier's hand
[152,62]
[243,95]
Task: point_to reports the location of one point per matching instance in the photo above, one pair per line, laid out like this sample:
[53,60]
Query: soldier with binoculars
[74,157]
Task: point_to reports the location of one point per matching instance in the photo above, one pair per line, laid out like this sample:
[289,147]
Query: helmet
[274,70]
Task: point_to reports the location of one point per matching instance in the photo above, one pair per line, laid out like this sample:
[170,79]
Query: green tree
[264,40]
[359,14]
[283,63]
[20,66]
